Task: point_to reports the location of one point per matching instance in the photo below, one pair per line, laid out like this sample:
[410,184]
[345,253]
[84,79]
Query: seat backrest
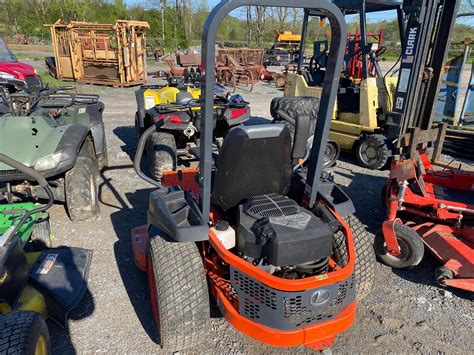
[253,161]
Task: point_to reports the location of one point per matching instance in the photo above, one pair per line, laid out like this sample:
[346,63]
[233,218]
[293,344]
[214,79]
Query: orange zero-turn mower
[255,229]
[429,205]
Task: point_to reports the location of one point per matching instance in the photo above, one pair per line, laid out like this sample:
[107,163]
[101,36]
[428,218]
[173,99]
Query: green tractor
[60,134]
[36,282]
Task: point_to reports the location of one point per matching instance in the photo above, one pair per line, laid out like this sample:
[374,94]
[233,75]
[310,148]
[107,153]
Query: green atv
[61,135]
[36,282]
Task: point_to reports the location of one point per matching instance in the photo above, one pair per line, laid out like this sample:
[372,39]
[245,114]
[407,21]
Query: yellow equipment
[358,116]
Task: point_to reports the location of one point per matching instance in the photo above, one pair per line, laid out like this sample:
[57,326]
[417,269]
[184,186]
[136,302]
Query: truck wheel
[41,236]
[162,154]
[365,258]
[82,195]
[411,248]
[24,332]
[372,151]
[178,293]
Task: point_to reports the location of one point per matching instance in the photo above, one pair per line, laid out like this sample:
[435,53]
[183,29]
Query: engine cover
[281,232]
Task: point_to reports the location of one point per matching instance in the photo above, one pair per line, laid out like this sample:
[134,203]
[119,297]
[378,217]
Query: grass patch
[21,55]
[51,81]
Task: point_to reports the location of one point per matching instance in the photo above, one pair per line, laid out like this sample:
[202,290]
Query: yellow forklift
[359,122]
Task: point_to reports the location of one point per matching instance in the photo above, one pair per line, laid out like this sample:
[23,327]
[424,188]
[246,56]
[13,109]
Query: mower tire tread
[82,199]
[181,292]
[20,331]
[162,154]
[365,257]
[41,235]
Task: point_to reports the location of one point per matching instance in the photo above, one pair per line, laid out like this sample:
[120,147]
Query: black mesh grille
[300,315]
[290,310]
[256,291]
[271,205]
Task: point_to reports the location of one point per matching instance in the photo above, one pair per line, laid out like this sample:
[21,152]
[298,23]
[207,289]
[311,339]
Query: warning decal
[47,264]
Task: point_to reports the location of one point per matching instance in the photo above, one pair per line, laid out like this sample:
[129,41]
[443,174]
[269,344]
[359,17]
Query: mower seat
[253,161]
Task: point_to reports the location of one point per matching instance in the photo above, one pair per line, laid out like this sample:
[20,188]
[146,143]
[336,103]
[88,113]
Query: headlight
[6,75]
[48,162]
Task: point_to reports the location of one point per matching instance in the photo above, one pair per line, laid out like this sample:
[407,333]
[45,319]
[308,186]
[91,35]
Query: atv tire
[41,235]
[138,130]
[372,152]
[104,157]
[178,293]
[365,262]
[82,195]
[162,154]
[24,332]
[411,247]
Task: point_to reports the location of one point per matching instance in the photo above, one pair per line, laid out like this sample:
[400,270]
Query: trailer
[93,53]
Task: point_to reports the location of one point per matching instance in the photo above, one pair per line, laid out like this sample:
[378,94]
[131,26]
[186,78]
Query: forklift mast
[425,47]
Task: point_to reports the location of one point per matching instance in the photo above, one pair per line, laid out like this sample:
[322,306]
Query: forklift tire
[331,154]
[24,332]
[82,195]
[178,293]
[411,247]
[162,154]
[365,257]
[372,152]
[41,235]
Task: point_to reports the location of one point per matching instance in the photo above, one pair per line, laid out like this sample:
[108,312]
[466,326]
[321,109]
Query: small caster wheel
[411,247]
[443,273]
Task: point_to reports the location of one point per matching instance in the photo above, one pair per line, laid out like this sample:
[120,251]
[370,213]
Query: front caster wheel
[411,248]
[442,274]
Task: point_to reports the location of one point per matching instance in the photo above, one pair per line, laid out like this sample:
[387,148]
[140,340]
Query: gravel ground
[406,313]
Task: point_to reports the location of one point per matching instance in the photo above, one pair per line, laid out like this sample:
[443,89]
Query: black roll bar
[326,108]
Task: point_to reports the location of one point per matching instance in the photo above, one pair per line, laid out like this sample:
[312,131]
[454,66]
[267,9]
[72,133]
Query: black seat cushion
[253,161]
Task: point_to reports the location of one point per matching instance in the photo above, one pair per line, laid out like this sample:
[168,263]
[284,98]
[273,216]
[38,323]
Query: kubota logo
[320,297]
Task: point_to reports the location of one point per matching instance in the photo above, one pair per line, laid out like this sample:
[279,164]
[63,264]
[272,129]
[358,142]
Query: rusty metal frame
[109,54]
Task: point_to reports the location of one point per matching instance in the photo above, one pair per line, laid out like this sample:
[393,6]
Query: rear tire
[365,257]
[372,152]
[411,247]
[82,195]
[24,332]
[162,154]
[178,293]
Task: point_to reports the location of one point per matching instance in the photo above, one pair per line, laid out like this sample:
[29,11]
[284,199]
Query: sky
[371,17]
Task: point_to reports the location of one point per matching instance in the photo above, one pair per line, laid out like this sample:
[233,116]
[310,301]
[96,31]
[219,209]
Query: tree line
[179,23]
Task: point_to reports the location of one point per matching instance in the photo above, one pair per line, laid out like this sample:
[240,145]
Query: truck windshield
[6,54]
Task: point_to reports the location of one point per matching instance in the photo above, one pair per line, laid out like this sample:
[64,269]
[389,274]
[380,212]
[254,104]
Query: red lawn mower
[269,237]
[429,205]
